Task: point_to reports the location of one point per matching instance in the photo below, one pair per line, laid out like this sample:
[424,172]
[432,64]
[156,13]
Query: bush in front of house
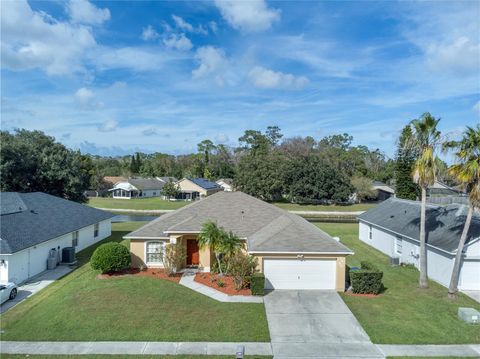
[242,267]
[367,280]
[257,285]
[111,257]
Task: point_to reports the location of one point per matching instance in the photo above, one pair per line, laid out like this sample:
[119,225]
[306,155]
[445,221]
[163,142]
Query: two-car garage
[300,273]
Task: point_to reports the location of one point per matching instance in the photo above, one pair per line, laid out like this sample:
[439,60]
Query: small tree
[230,247]
[170,189]
[404,161]
[173,257]
[212,236]
[363,188]
[242,267]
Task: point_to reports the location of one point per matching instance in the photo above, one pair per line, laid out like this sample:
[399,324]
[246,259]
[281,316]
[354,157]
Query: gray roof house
[140,187]
[271,234]
[37,222]
[393,227]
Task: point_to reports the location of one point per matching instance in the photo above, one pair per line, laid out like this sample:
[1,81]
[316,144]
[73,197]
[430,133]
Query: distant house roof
[382,187]
[228,181]
[444,224]
[204,183]
[266,228]
[142,184]
[39,218]
[113,179]
[167,179]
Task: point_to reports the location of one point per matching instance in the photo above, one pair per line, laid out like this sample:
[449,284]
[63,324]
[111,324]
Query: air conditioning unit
[394,261]
[68,255]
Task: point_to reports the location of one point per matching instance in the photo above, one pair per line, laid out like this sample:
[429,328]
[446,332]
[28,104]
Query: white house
[33,224]
[140,187]
[393,227]
[226,184]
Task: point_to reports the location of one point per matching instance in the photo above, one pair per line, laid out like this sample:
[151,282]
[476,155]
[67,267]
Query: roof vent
[243,214]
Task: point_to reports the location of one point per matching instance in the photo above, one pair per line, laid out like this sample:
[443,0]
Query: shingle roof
[204,183]
[167,179]
[267,228]
[146,183]
[43,217]
[444,224]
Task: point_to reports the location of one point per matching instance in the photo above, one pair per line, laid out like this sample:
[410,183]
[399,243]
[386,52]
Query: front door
[192,252]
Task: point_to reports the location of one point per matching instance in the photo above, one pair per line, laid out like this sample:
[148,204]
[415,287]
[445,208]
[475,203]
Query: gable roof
[444,224]
[167,179]
[204,183]
[378,185]
[42,217]
[228,181]
[143,184]
[265,227]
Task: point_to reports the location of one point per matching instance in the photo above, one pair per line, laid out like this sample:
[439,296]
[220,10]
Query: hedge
[367,280]
[111,257]
[257,285]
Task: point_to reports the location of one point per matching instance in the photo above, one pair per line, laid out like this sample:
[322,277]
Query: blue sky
[115,77]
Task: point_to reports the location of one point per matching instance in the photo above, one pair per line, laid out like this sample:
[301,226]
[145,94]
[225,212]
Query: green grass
[19,356]
[157,203]
[136,203]
[80,307]
[404,314]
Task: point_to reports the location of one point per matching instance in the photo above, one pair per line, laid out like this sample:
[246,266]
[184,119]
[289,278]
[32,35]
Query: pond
[132,218]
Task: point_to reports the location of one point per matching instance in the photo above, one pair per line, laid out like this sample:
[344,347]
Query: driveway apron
[315,324]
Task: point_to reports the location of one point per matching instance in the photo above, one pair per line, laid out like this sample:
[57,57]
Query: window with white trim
[95,230]
[75,239]
[398,245]
[370,231]
[154,252]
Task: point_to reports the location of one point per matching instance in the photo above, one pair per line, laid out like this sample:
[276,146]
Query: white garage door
[470,276]
[299,274]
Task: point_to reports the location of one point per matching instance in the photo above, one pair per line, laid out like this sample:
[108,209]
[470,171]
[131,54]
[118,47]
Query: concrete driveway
[311,323]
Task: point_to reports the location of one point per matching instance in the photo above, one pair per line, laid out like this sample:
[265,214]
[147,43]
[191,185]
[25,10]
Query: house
[225,183]
[140,187]
[32,224]
[393,227]
[292,252]
[440,189]
[384,191]
[196,188]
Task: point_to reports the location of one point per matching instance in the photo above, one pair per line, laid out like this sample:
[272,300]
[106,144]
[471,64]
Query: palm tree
[467,172]
[230,247]
[214,237]
[424,140]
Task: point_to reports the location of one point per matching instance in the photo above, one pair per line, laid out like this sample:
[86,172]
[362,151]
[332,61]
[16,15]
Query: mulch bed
[211,280]
[156,273]
[362,295]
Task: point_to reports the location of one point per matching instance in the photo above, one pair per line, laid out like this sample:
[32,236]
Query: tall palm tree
[214,237]
[424,140]
[467,172]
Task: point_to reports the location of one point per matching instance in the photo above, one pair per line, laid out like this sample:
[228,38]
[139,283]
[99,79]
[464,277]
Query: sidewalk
[36,284]
[472,350]
[188,280]
[132,348]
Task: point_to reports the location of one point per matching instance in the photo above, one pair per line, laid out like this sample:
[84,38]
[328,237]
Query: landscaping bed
[155,273]
[403,313]
[226,285]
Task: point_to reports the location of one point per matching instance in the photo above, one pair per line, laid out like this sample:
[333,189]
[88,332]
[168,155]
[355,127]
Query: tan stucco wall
[137,252]
[340,262]
[187,185]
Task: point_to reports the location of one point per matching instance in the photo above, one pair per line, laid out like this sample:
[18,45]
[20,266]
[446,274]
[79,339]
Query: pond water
[132,218]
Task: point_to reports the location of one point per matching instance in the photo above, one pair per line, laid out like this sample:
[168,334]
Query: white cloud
[149,33]
[84,12]
[86,99]
[32,39]
[460,56]
[178,42]
[221,138]
[213,26]
[248,16]
[476,107]
[182,24]
[134,58]
[108,126]
[149,132]
[265,78]
[212,62]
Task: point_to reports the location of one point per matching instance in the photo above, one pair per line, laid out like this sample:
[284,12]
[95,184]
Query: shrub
[111,257]
[258,284]
[220,283]
[367,280]
[242,267]
[173,258]
[214,267]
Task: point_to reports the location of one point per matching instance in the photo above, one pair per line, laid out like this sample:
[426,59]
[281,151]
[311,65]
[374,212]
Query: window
[154,193]
[95,230]
[370,232]
[154,252]
[75,239]
[398,245]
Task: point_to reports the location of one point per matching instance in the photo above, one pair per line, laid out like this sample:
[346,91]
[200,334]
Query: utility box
[469,315]
[68,255]
[51,263]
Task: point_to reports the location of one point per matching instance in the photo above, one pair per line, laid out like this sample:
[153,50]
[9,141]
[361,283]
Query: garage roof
[444,224]
[266,228]
[33,218]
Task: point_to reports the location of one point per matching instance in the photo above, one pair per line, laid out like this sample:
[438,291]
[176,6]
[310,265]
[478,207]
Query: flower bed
[212,281]
[156,273]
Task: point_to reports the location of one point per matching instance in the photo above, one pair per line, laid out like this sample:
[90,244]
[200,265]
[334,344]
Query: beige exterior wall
[340,261]
[187,185]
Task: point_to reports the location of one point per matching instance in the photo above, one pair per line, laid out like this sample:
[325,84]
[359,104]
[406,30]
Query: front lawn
[404,314]
[80,307]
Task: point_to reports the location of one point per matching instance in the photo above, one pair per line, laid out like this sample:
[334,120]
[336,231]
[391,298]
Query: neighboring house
[102,190]
[393,227]
[226,184]
[140,187]
[292,252]
[384,191]
[193,188]
[32,224]
[440,189]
